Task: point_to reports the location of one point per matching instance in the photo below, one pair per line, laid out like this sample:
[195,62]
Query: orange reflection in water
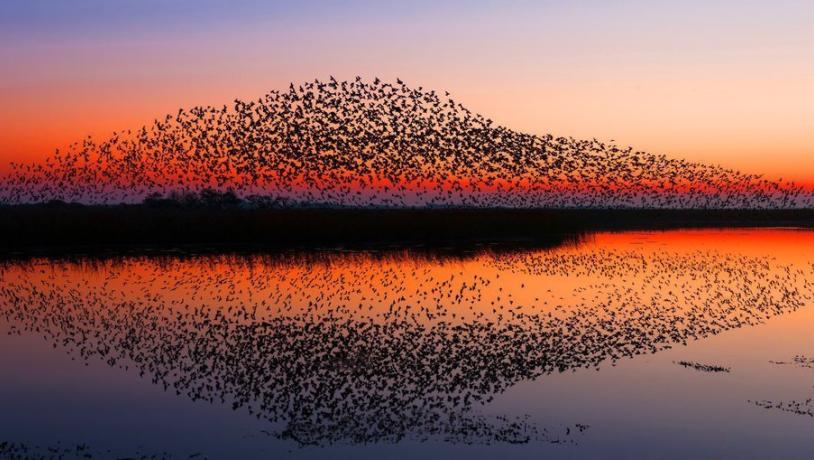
[331,344]
[626,270]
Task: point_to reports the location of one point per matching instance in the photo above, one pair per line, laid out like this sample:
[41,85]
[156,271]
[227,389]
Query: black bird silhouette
[358,143]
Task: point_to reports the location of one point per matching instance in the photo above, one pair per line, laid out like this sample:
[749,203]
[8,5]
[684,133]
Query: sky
[723,82]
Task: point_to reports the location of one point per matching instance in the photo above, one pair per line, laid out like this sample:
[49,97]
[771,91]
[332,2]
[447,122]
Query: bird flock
[352,348]
[374,143]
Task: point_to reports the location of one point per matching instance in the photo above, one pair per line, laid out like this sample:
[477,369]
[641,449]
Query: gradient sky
[726,82]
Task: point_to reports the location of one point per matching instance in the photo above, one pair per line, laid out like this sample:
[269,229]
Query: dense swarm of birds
[373,143]
[351,349]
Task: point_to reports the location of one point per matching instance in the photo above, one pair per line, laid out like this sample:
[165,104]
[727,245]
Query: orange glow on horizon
[719,83]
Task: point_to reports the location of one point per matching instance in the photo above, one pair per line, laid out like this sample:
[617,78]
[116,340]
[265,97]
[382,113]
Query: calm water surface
[671,344]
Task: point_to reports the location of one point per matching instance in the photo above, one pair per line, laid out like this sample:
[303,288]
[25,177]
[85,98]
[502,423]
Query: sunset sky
[726,82]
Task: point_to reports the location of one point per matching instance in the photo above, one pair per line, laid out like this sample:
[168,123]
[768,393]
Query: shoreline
[42,230]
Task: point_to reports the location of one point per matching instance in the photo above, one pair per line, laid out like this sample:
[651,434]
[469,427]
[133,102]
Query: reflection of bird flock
[376,143]
[703,367]
[354,349]
[798,407]
[23,451]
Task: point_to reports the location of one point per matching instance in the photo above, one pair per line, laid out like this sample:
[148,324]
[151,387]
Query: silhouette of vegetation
[219,221]
[207,198]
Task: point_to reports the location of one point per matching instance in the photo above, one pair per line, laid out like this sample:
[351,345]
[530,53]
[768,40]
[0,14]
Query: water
[571,352]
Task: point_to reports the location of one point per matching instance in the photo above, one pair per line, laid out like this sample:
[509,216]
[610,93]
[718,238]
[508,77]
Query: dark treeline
[218,222]
[209,198]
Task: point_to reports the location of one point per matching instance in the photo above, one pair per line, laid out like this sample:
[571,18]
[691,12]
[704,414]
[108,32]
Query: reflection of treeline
[223,221]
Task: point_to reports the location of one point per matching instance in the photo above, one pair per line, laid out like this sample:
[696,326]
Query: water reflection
[798,407]
[360,348]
